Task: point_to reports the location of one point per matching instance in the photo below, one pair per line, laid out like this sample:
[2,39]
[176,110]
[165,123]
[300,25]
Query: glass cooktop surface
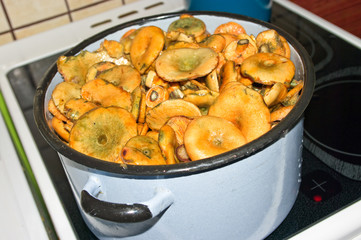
[331,171]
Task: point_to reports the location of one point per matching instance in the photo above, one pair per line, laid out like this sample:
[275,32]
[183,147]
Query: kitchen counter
[343,13]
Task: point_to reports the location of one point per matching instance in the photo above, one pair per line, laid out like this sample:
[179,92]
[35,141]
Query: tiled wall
[22,18]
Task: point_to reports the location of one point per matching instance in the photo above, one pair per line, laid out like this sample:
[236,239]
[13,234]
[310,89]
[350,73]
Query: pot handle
[123,212]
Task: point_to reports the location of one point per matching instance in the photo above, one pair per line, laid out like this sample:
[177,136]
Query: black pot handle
[121,212]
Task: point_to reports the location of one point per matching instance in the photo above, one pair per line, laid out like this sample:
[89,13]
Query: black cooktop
[331,170]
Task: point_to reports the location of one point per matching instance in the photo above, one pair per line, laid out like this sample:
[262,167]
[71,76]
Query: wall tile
[99,8]
[74,4]
[41,27]
[4,25]
[23,12]
[5,38]
[29,17]
[130,1]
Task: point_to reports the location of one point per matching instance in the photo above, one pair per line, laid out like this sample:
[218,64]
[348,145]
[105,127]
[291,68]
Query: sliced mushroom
[185,63]
[152,79]
[146,46]
[103,132]
[244,107]
[156,95]
[159,115]
[142,150]
[208,136]
[268,68]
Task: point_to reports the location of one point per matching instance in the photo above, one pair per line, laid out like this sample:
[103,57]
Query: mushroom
[280,113]
[114,48]
[136,98]
[209,136]
[142,108]
[179,125]
[168,143]
[103,132]
[212,81]
[146,46]
[75,68]
[181,64]
[275,94]
[98,68]
[106,94]
[156,95]
[124,76]
[228,74]
[142,128]
[63,92]
[61,127]
[141,150]
[231,28]
[201,98]
[268,68]
[244,107]
[270,41]
[76,107]
[182,154]
[189,25]
[216,41]
[160,114]
[292,96]
[55,111]
[240,49]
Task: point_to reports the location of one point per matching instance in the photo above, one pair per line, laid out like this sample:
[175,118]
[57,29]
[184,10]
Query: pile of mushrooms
[166,97]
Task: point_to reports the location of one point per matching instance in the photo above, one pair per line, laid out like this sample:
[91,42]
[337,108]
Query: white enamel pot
[242,194]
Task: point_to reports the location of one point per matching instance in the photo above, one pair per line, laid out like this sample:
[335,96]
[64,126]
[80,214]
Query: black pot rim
[182,168]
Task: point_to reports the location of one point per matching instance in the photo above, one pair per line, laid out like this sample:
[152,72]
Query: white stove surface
[20,218]
[19,215]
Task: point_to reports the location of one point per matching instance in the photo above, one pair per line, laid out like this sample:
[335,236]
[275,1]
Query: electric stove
[329,201]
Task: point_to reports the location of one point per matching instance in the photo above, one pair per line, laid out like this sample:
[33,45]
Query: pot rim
[235,155]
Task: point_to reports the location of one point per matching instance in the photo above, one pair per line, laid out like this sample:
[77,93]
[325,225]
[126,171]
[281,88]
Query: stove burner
[332,122]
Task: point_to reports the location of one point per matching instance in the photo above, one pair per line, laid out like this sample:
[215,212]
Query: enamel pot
[242,194]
